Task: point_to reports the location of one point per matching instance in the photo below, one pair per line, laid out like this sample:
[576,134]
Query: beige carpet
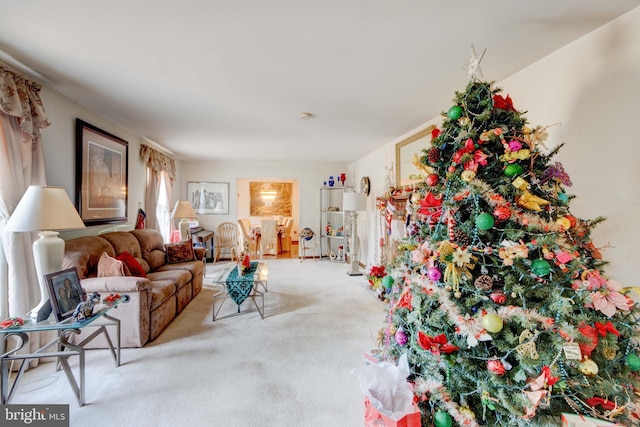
[291,369]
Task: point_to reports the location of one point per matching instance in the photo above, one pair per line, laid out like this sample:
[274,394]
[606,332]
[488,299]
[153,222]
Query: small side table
[64,347]
[205,237]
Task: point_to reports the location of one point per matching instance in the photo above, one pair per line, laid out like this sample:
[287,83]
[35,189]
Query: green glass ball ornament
[387,282]
[633,362]
[492,322]
[454,112]
[513,169]
[442,419]
[540,267]
[485,221]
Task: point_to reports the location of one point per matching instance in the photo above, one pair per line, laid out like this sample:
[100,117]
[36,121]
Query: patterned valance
[20,98]
[157,161]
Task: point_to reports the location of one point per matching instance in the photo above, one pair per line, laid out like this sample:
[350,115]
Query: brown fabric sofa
[155,300]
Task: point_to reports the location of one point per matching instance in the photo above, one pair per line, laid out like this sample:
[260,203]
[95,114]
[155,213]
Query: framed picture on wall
[101,175]
[209,197]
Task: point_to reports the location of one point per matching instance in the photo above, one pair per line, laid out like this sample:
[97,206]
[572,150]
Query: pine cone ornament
[461,238]
[484,282]
[434,155]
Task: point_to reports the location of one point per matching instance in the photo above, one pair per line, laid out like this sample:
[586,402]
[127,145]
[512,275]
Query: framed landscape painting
[101,175]
[209,197]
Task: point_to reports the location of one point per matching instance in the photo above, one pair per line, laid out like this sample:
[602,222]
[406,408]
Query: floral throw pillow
[179,252]
[110,267]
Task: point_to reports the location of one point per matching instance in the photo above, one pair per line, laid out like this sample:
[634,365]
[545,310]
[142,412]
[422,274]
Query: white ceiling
[221,79]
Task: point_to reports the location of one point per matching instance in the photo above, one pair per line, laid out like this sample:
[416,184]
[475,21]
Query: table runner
[239,286]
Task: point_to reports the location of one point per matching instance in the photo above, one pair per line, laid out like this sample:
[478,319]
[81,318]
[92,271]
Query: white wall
[591,88]
[310,177]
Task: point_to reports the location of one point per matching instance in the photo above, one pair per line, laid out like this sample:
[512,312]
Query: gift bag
[373,418]
[388,396]
[575,420]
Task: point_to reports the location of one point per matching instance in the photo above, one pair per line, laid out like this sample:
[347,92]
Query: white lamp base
[185,229]
[48,252]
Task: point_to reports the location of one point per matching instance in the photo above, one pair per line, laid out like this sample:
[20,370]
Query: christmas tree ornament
[513,169]
[454,112]
[588,367]
[502,213]
[461,238]
[432,179]
[498,297]
[609,353]
[434,273]
[416,197]
[483,282]
[467,175]
[563,223]
[387,282]
[540,267]
[496,367]
[442,419]
[484,221]
[434,155]
[527,347]
[491,322]
[633,362]
[401,337]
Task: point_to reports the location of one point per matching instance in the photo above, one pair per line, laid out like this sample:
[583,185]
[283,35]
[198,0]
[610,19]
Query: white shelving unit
[334,231]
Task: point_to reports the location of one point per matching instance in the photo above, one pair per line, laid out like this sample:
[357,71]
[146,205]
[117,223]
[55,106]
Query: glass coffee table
[63,345]
[238,287]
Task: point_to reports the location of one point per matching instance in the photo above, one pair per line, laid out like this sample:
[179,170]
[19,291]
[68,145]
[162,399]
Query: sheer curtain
[161,172]
[22,117]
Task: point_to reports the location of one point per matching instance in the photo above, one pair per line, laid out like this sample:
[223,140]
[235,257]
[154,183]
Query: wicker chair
[227,238]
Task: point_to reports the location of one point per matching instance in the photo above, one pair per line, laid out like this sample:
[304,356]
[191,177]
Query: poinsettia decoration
[436,345]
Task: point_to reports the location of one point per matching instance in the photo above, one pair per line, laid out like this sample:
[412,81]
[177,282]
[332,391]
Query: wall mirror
[405,150]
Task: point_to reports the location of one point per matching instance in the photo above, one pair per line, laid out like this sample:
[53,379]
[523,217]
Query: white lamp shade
[354,202]
[44,208]
[183,209]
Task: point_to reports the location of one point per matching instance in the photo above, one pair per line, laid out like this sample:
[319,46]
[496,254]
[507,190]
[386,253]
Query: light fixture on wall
[42,209]
[352,203]
[268,194]
[184,212]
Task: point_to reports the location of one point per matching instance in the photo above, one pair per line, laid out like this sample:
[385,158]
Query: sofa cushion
[151,247]
[179,252]
[178,276]
[161,291]
[110,267]
[123,241]
[132,264]
[84,254]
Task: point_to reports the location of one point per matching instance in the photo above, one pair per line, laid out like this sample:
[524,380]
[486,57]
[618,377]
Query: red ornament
[432,179]
[502,213]
[498,297]
[496,367]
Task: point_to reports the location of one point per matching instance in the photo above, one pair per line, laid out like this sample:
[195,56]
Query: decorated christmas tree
[499,297]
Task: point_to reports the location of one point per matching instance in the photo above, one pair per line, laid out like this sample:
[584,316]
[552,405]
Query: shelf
[332,237]
[333,212]
[334,188]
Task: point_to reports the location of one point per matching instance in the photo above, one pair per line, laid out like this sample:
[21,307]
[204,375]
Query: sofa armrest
[199,253]
[116,284]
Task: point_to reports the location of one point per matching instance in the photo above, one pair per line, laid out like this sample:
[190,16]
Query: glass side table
[64,349]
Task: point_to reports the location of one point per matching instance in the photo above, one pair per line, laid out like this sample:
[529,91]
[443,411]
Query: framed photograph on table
[101,175]
[65,292]
[209,197]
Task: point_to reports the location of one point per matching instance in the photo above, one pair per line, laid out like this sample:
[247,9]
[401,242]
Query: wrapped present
[577,420]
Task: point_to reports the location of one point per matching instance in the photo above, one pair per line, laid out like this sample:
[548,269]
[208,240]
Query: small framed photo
[65,292]
[209,197]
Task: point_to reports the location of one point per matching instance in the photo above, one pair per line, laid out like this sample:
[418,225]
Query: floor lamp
[43,209]
[184,212]
[354,202]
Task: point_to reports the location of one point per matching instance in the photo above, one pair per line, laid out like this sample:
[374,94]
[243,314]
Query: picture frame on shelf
[209,198]
[65,292]
[101,175]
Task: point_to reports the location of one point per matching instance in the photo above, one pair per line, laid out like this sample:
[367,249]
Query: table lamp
[45,209]
[354,202]
[184,212]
